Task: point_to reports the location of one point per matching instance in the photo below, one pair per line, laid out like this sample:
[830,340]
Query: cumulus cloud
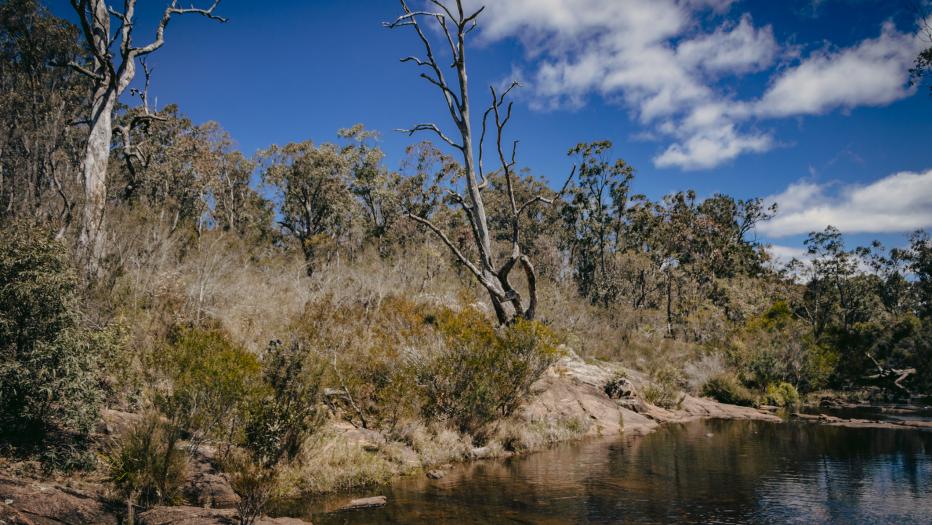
[871,73]
[731,49]
[709,147]
[897,203]
[653,56]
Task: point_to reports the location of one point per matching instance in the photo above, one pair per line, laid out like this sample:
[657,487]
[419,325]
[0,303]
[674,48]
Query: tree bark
[96,158]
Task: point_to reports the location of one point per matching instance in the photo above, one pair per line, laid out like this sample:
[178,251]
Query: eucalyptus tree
[313,187]
[39,147]
[111,74]
[594,216]
[453,24]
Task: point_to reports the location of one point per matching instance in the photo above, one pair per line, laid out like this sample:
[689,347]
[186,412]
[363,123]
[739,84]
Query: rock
[201,516]
[436,474]
[116,422]
[11,516]
[46,504]
[207,486]
[365,503]
[481,452]
[620,388]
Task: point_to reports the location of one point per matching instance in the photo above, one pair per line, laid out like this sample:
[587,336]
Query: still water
[711,471]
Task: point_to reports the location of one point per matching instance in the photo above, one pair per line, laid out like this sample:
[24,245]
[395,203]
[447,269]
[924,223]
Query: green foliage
[207,379]
[726,388]
[776,346]
[482,373]
[781,395]
[49,366]
[146,465]
[288,409]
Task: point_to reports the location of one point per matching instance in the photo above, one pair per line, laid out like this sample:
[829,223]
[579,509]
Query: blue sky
[804,101]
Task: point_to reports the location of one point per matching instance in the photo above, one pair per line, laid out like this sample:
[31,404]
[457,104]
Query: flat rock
[364,503]
[33,502]
[202,516]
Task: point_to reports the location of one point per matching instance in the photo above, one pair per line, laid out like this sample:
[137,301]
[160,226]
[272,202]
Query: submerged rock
[201,516]
[365,503]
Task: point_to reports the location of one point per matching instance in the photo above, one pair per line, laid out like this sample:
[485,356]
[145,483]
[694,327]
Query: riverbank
[574,400]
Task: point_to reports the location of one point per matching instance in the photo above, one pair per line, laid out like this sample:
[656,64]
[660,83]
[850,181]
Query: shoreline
[572,390]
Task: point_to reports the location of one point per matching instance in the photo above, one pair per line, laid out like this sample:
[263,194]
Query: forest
[247,304]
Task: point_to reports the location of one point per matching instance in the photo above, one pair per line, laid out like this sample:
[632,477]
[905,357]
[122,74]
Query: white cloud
[872,73]
[735,49]
[653,57]
[897,203]
[711,146]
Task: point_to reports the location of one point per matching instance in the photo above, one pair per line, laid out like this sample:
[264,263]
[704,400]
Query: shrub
[254,482]
[482,373]
[48,363]
[725,388]
[665,388]
[208,380]
[288,409]
[146,465]
[781,395]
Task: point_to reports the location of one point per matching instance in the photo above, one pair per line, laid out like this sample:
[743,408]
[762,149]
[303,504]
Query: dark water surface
[703,472]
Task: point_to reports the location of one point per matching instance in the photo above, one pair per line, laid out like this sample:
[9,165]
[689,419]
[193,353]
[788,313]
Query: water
[703,472]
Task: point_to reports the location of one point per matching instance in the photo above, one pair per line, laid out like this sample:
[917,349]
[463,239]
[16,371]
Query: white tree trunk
[96,157]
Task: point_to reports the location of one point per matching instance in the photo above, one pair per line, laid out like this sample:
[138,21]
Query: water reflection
[702,472]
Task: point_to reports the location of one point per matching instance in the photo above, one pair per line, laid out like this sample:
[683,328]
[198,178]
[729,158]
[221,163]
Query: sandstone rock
[364,503]
[47,504]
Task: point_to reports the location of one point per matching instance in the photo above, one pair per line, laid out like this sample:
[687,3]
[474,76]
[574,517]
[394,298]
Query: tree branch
[446,240]
[431,127]
[173,9]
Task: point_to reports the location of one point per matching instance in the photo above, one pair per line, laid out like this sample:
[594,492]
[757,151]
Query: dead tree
[454,24]
[111,77]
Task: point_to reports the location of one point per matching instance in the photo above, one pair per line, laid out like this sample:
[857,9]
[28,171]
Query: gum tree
[111,71]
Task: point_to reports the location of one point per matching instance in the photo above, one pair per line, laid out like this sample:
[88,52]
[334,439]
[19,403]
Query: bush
[725,388]
[49,366]
[254,482]
[482,373]
[781,395]
[146,465]
[665,388]
[206,381]
[288,409]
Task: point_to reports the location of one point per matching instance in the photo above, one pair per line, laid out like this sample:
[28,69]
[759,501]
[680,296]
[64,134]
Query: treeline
[238,298]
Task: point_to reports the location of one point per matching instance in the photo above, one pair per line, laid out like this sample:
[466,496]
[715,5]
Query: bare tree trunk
[110,80]
[454,25]
[96,158]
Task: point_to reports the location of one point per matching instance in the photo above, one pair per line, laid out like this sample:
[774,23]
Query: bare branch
[548,200]
[84,71]
[472,18]
[431,127]
[173,9]
[410,19]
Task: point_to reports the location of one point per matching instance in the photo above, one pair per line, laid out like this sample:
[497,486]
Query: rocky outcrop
[37,503]
[605,396]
